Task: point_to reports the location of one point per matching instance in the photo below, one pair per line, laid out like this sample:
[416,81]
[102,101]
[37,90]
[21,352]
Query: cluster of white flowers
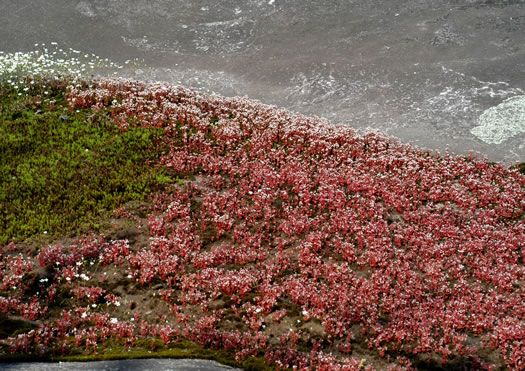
[21,70]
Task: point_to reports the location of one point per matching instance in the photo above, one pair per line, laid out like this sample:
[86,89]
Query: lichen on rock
[504,121]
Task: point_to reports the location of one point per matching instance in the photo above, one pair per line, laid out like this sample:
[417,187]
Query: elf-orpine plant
[287,239]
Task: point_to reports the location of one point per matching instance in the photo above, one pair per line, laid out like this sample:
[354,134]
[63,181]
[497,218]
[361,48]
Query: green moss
[60,170]
[142,349]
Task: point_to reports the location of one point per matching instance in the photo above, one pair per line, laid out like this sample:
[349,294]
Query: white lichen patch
[502,122]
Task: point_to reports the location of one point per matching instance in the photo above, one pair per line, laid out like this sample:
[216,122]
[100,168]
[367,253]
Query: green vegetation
[61,170]
[153,348]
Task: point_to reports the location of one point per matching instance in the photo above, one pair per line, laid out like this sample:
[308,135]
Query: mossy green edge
[180,349]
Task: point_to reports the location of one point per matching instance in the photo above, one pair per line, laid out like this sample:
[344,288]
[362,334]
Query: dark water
[125,365]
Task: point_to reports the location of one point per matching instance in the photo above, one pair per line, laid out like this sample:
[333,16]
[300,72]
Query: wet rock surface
[422,71]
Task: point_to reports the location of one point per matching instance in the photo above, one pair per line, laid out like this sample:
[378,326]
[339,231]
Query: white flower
[113,320]
[117,303]
[84,315]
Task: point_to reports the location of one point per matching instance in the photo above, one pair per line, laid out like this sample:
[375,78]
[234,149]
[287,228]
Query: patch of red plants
[423,253]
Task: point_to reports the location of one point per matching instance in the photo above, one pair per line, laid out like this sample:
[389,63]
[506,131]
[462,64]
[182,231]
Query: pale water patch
[86,9]
[502,122]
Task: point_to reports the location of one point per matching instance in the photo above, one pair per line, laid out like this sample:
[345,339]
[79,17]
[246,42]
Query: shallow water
[136,364]
[422,71]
